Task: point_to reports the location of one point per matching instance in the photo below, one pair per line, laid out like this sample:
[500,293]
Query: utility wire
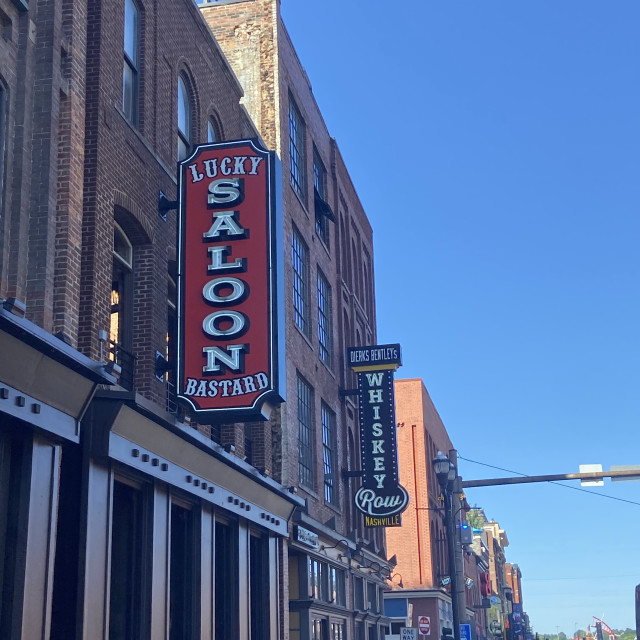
[559,484]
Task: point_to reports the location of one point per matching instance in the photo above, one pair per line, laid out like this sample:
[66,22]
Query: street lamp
[446,474]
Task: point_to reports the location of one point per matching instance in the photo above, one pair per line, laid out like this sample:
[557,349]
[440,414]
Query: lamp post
[446,474]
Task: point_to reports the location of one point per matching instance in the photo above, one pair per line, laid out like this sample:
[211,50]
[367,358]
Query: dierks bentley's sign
[381,498]
[227,281]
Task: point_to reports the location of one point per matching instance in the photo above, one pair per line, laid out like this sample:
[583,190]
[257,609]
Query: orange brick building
[420,543]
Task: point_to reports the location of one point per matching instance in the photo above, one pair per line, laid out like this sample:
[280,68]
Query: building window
[300,282]
[226,580]
[3,139]
[305,433]
[325,329]
[184,119]
[297,150]
[183,594]
[320,197]
[319,629]
[318,580]
[121,319]
[337,585]
[212,131]
[328,453]
[259,586]
[120,330]
[372,597]
[358,593]
[337,631]
[127,548]
[130,88]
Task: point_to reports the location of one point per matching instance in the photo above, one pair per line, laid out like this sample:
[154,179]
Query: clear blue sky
[507,259]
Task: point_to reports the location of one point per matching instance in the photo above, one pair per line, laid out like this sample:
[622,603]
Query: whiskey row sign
[381,498]
[228,280]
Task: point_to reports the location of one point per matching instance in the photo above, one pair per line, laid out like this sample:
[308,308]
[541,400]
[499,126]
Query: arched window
[130,88]
[120,326]
[213,135]
[184,118]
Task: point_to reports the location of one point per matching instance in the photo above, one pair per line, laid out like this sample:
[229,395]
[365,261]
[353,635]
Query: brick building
[423,587]
[121,515]
[420,543]
[336,565]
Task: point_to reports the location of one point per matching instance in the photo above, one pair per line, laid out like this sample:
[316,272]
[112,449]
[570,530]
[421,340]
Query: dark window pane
[184,595]
[226,580]
[259,587]
[125,612]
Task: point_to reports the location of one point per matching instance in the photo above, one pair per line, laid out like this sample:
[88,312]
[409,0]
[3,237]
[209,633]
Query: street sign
[586,468]
[424,625]
[625,467]
[408,633]
[465,632]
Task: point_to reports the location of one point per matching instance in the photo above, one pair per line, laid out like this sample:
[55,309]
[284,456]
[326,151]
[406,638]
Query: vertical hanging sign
[381,498]
[228,281]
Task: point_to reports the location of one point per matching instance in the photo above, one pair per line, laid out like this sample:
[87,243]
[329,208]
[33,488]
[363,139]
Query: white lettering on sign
[228,166]
[201,388]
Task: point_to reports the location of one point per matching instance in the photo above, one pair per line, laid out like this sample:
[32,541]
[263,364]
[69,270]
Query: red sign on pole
[227,282]
[424,625]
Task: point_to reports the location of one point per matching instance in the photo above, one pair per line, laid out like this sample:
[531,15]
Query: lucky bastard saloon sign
[228,280]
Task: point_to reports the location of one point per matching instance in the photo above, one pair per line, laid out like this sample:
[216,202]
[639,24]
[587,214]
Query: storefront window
[226,580]
[337,586]
[184,575]
[127,545]
[259,586]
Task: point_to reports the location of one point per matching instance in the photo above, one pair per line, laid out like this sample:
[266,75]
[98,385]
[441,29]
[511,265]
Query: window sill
[303,335]
[302,204]
[327,367]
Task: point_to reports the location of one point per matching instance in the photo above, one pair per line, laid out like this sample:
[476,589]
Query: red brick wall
[419,543]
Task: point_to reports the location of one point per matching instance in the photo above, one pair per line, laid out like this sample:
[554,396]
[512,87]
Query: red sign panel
[227,281]
[424,625]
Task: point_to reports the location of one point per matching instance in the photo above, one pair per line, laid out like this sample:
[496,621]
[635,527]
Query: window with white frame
[130,88]
[184,118]
[121,302]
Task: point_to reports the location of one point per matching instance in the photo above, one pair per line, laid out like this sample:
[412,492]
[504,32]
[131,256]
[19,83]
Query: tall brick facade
[337,252]
[120,515]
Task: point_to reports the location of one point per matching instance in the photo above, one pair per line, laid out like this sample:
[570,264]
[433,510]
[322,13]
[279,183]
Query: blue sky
[507,260]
